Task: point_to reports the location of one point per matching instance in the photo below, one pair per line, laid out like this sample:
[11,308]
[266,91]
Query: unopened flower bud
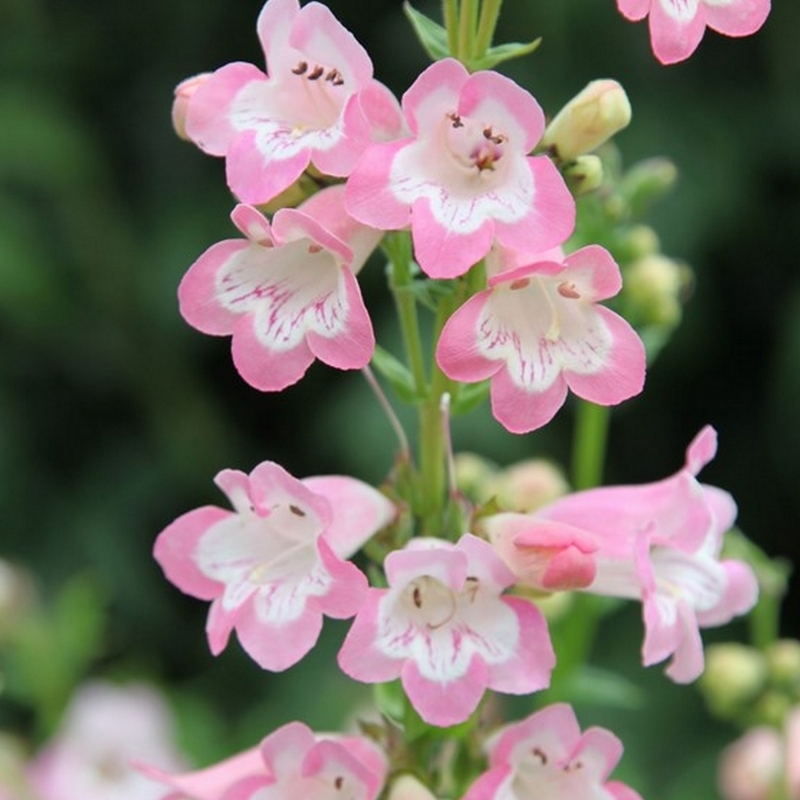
[474,476]
[180,105]
[407,787]
[639,241]
[528,485]
[653,287]
[772,709]
[783,660]
[750,768]
[584,174]
[733,677]
[592,117]
[647,181]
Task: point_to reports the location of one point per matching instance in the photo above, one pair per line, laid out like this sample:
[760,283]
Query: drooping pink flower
[318,105]
[547,757]
[274,565]
[537,331]
[287,293]
[660,543]
[444,629]
[292,762]
[104,729]
[677,26]
[463,179]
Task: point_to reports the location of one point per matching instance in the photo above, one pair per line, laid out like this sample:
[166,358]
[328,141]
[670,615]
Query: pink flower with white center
[318,105]
[547,757]
[660,542]
[464,179]
[104,728]
[290,764]
[287,293]
[537,331]
[444,629]
[677,26]
[274,565]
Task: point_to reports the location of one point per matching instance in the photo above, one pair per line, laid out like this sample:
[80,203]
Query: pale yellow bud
[783,659]
[180,105]
[528,485]
[474,475]
[407,787]
[734,676]
[653,287]
[592,117]
[584,174]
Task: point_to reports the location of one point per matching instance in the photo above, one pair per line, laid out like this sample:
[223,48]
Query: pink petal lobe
[521,411]
[219,624]
[434,93]
[348,587]
[634,10]
[445,704]
[208,121]
[359,511]
[175,546]
[675,36]
[737,17]
[273,26]
[701,450]
[594,271]
[741,594]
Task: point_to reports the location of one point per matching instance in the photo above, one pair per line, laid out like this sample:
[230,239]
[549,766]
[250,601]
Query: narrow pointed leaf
[396,373]
[504,52]
[432,36]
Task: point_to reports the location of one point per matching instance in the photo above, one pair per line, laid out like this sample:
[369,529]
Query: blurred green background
[115,415]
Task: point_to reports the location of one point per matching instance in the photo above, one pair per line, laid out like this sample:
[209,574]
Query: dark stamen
[316,73]
[297,511]
[300,68]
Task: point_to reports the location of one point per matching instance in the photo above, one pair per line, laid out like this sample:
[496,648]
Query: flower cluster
[470,194]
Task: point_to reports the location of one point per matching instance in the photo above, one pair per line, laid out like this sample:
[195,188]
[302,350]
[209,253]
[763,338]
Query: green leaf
[432,36]
[396,373]
[470,397]
[430,293]
[504,52]
[601,687]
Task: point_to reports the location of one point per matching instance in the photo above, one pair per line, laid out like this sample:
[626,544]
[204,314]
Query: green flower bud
[783,660]
[734,676]
[591,118]
[584,174]
[652,289]
[647,181]
[529,484]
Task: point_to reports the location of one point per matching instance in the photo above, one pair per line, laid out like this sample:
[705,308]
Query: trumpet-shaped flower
[444,629]
[292,762]
[547,757]
[287,292]
[463,178]
[660,542]
[537,331]
[677,26]
[274,565]
[319,104]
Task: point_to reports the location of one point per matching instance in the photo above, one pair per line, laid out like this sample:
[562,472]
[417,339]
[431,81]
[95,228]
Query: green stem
[490,12]
[589,445]
[450,15]
[466,29]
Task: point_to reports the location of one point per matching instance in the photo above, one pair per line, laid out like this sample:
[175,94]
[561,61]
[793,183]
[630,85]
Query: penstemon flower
[274,565]
[547,757]
[287,293]
[463,179]
[444,629]
[677,26]
[537,331]
[660,542]
[319,104]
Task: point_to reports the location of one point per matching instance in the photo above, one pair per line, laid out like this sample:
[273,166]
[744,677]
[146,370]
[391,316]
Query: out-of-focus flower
[677,26]
[180,105]
[547,756]
[539,330]
[464,179]
[591,118]
[527,485]
[444,629]
[274,565]
[104,729]
[407,787]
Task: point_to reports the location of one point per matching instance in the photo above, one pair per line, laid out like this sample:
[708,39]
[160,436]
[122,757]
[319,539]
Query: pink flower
[547,757]
[537,331]
[677,26]
[104,728]
[763,763]
[463,178]
[292,762]
[660,542]
[444,629]
[273,566]
[287,293]
[318,105]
